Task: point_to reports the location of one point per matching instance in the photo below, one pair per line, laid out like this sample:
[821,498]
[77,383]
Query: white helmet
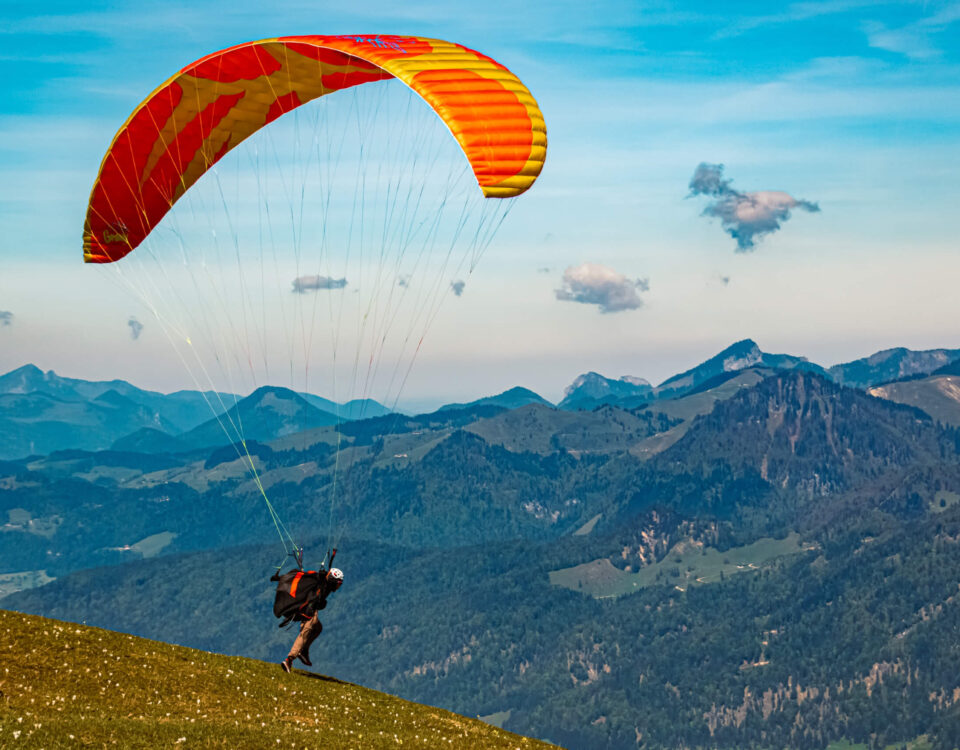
[336,574]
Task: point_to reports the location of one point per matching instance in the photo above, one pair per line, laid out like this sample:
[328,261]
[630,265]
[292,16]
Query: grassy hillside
[69,685]
[542,429]
[687,564]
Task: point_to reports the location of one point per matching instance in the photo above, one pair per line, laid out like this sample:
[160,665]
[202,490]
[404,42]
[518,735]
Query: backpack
[297,591]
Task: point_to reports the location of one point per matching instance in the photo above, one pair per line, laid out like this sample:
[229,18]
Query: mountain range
[44,412]
[781,572]
[749,555]
[890,365]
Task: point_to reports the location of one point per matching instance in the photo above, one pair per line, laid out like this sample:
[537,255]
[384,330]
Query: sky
[783,172]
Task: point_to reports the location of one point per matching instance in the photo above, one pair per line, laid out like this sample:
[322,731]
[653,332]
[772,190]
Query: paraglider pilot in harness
[301,594]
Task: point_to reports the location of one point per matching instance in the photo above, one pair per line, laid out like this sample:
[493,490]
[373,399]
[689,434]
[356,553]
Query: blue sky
[853,106]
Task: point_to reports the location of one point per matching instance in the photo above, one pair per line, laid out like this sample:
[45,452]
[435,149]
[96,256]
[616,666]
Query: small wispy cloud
[746,217]
[916,40]
[910,41]
[104,23]
[457,286]
[595,284]
[6,318]
[304,284]
[136,328]
[403,281]
[792,13]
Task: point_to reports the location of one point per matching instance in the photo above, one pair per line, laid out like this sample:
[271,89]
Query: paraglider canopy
[314,252]
[187,124]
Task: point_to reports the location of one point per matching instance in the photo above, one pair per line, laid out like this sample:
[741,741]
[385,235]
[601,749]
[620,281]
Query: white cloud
[304,284]
[745,216]
[594,284]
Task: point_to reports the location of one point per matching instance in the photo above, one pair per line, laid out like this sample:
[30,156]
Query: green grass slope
[543,429]
[67,685]
[687,564]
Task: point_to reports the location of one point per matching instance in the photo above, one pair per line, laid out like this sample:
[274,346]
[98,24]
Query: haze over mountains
[44,412]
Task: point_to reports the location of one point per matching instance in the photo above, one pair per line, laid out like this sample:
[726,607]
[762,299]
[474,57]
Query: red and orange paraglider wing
[186,125]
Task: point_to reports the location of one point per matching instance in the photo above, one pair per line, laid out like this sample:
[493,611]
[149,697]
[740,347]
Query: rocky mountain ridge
[147,420]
